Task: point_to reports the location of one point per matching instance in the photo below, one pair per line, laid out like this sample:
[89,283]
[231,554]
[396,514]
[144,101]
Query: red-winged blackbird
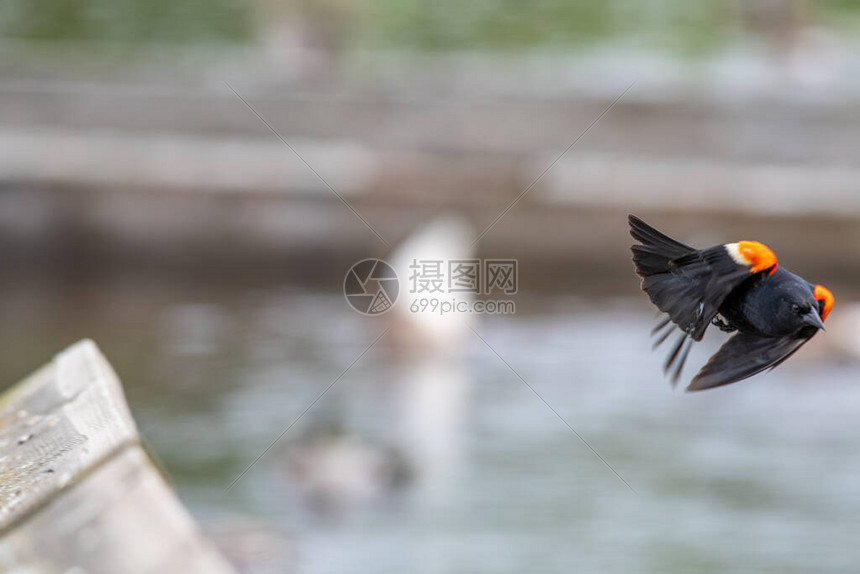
[736,287]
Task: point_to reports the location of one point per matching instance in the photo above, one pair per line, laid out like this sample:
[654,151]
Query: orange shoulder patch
[824,295]
[757,256]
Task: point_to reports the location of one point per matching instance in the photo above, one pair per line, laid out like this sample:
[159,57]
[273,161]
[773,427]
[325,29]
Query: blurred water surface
[757,477]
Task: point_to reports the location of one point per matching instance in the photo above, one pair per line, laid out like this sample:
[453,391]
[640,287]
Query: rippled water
[757,477]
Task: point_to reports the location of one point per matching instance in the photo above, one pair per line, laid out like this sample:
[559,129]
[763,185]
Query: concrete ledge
[76,488]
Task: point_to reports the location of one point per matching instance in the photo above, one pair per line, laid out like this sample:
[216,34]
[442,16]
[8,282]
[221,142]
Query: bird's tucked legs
[723,325]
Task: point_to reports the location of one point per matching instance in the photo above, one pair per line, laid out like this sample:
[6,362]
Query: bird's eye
[795,307]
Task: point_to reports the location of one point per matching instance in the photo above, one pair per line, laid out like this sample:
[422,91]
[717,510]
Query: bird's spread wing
[743,356]
[680,289]
[695,285]
[725,275]
[689,285]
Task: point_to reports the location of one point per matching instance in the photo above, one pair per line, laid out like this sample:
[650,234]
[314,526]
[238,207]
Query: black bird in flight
[737,287]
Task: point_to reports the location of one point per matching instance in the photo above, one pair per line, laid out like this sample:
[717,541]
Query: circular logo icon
[371,286]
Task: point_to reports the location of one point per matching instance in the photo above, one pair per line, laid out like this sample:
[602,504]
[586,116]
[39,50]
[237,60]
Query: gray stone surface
[77,491]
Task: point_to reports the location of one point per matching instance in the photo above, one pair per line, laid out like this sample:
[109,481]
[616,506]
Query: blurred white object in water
[445,239]
[433,387]
[432,400]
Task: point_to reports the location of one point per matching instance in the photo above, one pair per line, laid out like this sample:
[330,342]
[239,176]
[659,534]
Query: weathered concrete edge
[33,510]
[74,372]
[72,384]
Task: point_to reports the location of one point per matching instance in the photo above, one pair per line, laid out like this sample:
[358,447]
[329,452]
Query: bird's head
[798,307]
[810,309]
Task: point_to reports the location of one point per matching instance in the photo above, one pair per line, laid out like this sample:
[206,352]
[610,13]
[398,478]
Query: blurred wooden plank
[77,489]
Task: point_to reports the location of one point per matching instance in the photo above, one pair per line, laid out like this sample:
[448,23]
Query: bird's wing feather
[656,240]
[743,356]
[710,275]
[726,276]
[687,284]
[693,289]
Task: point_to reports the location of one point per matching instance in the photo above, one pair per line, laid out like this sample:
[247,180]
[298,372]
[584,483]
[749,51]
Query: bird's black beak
[814,319]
